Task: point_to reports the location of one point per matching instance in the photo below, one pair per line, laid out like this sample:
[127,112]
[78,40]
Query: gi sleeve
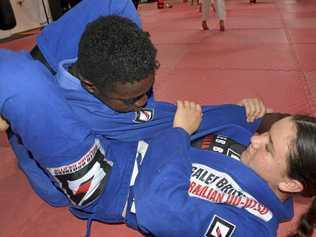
[61,146]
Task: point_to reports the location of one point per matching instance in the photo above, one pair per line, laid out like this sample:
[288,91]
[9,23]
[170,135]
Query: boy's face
[128,97]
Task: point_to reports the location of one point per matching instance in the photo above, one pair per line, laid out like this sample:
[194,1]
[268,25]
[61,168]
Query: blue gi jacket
[60,39]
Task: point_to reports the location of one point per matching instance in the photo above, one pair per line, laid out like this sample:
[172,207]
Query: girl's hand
[254,107]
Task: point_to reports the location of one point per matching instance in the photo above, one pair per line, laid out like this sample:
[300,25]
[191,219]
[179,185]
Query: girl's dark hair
[302,167]
[114,49]
[306,223]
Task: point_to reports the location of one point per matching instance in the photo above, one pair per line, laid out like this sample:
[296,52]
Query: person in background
[161,4]
[220,12]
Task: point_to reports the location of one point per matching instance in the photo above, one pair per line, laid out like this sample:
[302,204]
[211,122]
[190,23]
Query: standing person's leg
[205,13]
[221,13]
[213,6]
[199,6]
[168,5]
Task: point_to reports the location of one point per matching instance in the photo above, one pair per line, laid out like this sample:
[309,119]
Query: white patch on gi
[83,180]
[219,227]
[140,155]
[144,115]
[91,180]
[218,187]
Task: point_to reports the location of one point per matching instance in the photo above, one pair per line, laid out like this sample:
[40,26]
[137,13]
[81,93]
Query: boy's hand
[188,116]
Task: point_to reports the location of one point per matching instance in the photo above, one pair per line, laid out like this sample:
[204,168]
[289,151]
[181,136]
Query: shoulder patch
[219,227]
[83,180]
[144,115]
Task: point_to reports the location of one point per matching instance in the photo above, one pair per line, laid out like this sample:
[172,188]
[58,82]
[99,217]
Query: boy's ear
[89,86]
[291,186]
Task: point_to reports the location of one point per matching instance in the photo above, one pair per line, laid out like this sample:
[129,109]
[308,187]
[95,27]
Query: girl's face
[268,153]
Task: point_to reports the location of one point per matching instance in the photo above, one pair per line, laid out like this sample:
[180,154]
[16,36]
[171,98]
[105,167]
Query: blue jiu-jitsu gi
[60,39]
[72,157]
[15,78]
[170,188]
